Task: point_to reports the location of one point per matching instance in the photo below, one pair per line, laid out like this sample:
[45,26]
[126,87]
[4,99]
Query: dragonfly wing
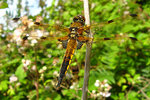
[81,40]
[102,24]
[116,37]
[64,41]
[79,44]
[64,44]
[84,39]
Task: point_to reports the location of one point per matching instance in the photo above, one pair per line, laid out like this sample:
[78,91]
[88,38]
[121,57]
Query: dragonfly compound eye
[75,19]
[80,19]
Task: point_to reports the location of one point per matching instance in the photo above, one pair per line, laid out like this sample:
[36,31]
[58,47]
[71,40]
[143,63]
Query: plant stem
[88,53]
[36,83]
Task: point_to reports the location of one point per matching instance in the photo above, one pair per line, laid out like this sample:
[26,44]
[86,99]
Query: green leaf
[124,87]
[58,97]
[4,85]
[65,92]
[11,91]
[133,95]
[3,5]
[20,73]
[121,81]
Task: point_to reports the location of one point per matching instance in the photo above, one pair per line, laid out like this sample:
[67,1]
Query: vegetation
[120,68]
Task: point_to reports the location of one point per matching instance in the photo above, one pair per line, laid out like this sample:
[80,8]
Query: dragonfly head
[80,19]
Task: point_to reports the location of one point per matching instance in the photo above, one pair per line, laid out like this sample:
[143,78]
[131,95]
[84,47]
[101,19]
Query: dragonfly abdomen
[71,46]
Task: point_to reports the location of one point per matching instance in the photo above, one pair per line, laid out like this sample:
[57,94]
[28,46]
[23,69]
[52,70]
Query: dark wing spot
[107,39]
[25,37]
[43,37]
[110,21]
[133,15]
[133,38]
[36,23]
[16,19]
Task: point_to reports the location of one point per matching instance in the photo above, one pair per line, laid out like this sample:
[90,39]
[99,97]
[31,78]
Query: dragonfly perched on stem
[73,40]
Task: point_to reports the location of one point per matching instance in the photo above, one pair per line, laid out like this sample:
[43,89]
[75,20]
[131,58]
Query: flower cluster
[74,85]
[103,89]
[13,79]
[41,71]
[56,73]
[26,63]
[27,31]
[55,61]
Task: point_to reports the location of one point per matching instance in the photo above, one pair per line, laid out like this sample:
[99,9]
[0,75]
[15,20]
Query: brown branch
[36,83]
[142,91]
[88,53]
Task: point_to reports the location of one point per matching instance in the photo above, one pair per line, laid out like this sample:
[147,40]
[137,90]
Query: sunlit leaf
[3,5]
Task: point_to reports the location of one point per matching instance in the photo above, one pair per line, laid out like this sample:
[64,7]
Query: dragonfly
[74,39]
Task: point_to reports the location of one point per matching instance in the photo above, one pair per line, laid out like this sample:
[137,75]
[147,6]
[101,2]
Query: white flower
[96,84]
[105,94]
[97,81]
[73,85]
[44,68]
[39,33]
[13,78]
[30,24]
[49,56]
[41,71]
[17,36]
[101,93]
[26,62]
[108,88]
[17,33]
[18,84]
[55,73]
[106,85]
[93,91]
[34,41]
[105,81]
[126,12]
[33,67]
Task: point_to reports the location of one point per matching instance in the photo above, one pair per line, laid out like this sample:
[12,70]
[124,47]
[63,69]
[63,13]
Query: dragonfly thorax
[73,35]
[73,29]
[73,32]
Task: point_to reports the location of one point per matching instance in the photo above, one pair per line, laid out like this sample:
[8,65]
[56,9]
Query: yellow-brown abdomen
[71,46]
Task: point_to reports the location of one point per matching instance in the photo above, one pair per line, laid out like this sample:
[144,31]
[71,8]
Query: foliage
[33,66]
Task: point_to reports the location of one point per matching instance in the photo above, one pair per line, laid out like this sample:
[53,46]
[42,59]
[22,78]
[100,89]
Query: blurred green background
[120,68]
